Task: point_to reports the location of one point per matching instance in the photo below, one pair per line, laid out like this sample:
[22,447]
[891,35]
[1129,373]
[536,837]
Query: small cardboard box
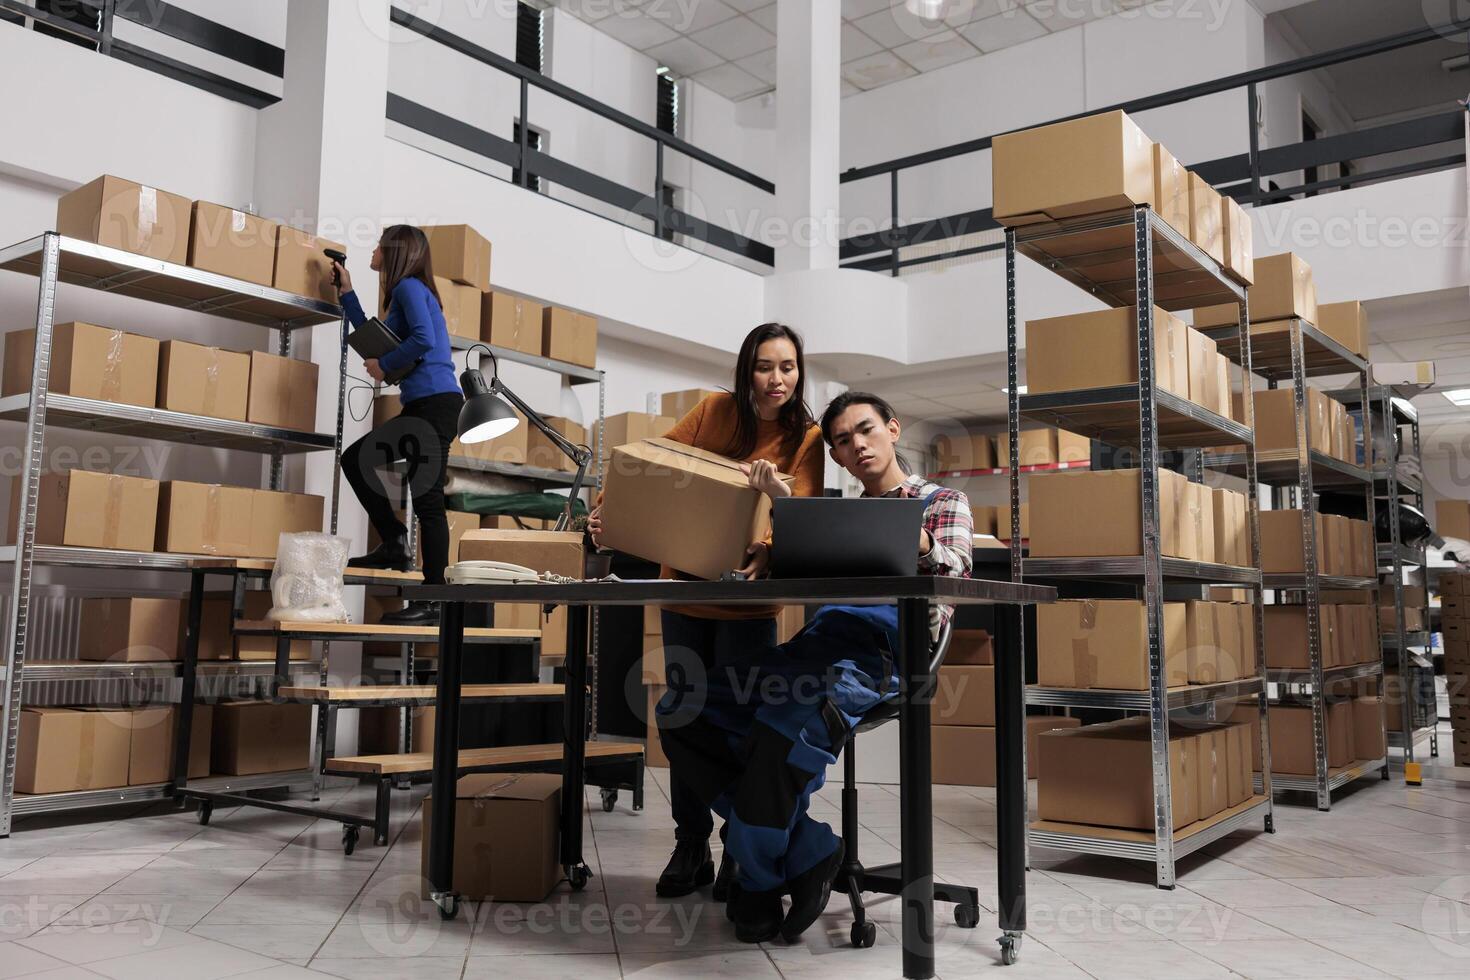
[61,750]
[1227,533]
[1339,430]
[1038,447]
[129,630]
[273,513]
[282,392]
[203,380]
[1098,349]
[1103,775]
[619,430]
[1084,166]
[90,510]
[542,452]
[962,755]
[559,552]
[1283,290]
[1202,641]
[460,254]
[1452,519]
[964,695]
[1282,550]
[1098,514]
[1203,379]
[1346,323]
[1003,521]
[302,266]
[653,620]
[505,836]
[1221,388]
[206,519]
[982,519]
[511,321]
[258,736]
[964,451]
[1103,643]
[233,243]
[1206,217]
[87,361]
[461,306]
[1239,241]
[133,217]
[569,337]
[677,404]
[1286,636]
[217,642]
[1291,738]
[151,747]
[1171,190]
[968,647]
[517,616]
[1201,504]
[1276,420]
[1240,751]
[684,507]
[1336,550]
[1213,770]
[1072,448]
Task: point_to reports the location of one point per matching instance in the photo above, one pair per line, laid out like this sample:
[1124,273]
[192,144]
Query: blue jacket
[417,320]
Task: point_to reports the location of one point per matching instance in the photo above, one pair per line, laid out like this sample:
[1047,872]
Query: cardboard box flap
[532,786]
[699,462]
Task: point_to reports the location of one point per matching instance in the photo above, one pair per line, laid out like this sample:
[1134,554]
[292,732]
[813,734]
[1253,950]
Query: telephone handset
[489,572]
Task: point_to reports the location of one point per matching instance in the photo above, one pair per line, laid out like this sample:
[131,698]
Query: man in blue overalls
[759,734]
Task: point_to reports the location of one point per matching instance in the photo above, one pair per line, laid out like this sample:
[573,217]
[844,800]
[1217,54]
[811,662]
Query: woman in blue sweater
[427,424]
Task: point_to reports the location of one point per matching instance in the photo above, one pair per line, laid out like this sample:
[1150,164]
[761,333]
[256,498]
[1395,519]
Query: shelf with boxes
[1454,591]
[1137,231]
[976,456]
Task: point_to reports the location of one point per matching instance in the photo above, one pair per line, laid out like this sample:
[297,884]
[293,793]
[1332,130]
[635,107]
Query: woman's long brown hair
[405,256]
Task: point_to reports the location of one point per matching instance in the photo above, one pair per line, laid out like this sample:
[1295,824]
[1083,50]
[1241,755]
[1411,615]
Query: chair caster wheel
[448,906]
[578,876]
[967,916]
[609,800]
[206,810]
[1010,949]
[349,838]
[863,935]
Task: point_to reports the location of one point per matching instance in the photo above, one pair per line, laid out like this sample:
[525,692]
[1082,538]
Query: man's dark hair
[848,399]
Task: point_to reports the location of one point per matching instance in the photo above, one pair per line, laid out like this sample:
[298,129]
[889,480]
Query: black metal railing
[1242,176]
[527,162]
[166,19]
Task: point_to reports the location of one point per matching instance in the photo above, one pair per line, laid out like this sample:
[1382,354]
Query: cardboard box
[559,552]
[1202,642]
[653,620]
[969,647]
[87,361]
[1073,448]
[982,519]
[61,750]
[653,746]
[273,513]
[1103,643]
[1239,786]
[90,510]
[1213,770]
[1102,775]
[1227,532]
[553,632]
[569,336]
[1239,241]
[655,661]
[459,253]
[218,642]
[1201,503]
[1003,521]
[511,321]
[1035,725]
[1452,519]
[1204,379]
[1286,637]
[619,430]
[1276,420]
[505,836]
[1222,389]
[1347,323]
[206,519]
[1283,290]
[133,217]
[964,452]
[378,730]
[686,508]
[202,380]
[258,736]
[232,243]
[461,306]
[964,695]
[1364,549]
[962,755]
[1206,218]
[542,452]
[512,522]
[1291,738]
[1171,190]
[1339,432]
[1085,166]
[677,404]
[789,621]
[1388,620]
[1038,447]
[517,616]
[1098,349]
[1282,550]
[129,630]
[1099,514]
[302,266]
[151,745]
[282,392]
[1335,547]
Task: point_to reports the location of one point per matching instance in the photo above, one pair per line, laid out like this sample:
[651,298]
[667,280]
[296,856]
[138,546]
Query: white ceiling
[730,45]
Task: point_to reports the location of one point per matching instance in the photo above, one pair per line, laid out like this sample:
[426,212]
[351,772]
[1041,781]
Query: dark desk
[913,596]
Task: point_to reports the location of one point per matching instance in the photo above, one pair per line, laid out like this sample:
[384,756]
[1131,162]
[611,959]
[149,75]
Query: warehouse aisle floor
[1379,886]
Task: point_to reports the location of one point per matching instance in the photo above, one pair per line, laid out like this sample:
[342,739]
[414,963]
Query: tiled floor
[1380,886]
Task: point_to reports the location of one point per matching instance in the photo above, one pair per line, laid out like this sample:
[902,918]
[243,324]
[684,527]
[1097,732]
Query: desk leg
[916,802]
[1010,777]
[446,759]
[574,747]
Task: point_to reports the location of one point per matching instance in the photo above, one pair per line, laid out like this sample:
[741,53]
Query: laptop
[842,537]
[374,339]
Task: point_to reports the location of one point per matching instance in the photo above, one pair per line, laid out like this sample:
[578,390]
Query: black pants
[712,642]
[420,435]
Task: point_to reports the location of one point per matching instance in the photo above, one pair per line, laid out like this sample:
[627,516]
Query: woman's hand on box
[757,560]
[762,477]
[594,525]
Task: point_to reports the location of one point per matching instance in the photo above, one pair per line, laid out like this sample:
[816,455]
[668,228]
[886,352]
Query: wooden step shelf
[377,632]
[394,695]
[422,763]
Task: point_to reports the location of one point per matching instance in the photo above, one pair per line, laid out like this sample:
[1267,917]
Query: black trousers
[420,435]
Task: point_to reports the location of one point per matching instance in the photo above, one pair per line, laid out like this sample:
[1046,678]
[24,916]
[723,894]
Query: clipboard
[372,340]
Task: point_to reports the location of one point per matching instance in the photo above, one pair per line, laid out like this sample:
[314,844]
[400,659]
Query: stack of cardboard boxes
[1353,730]
[1348,634]
[1345,546]
[1454,612]
[982,451]
[1328,424]
[1284,290]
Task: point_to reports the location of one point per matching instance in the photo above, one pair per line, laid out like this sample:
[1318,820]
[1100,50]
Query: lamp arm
[580,455]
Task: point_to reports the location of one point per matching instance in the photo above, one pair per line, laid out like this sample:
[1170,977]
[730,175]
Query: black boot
[757,915]
[689,867]
[726,875]
[809,893]
[392,553]
[415,613]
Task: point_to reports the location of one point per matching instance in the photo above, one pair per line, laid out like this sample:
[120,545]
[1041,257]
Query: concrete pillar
[808,109]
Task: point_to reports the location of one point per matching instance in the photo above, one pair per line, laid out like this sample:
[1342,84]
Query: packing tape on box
[237,221]
[211,381]
[112,367]
[211,521]
[112,512]
[479,799]
[1084,661]
[147,215]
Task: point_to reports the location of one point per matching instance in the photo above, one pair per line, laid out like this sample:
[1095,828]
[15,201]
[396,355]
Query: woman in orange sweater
[767,425]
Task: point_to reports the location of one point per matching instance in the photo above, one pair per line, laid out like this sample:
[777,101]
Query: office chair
[854,879]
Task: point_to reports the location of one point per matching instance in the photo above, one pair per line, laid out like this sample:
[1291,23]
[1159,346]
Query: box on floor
[87,361]
[505,836]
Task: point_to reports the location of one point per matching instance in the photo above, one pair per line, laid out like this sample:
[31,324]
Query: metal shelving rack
[1132,258]
[55,259]
[1392,485]
[1293,354]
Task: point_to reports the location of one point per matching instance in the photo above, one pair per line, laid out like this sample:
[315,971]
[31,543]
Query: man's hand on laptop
[757,560]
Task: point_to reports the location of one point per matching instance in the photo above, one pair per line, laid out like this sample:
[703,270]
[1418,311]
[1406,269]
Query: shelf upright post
[32,463]
[277,471]
[1406,692]
[324,740]
[1420,551]
[1013,467]
[595,613]
[1153,574]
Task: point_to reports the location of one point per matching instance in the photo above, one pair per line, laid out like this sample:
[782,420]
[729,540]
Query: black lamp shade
[484,415]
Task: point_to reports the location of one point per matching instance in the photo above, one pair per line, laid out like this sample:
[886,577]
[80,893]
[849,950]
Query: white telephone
[489,573]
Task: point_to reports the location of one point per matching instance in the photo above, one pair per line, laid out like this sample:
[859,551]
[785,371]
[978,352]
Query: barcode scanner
[336,257]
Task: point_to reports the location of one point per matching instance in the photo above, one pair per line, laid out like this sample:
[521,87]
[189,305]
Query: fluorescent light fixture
[1459,396]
